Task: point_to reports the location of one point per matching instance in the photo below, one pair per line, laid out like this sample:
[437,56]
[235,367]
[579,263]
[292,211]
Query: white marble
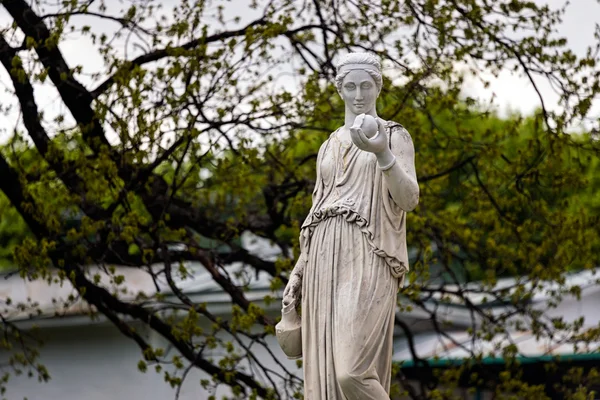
[353,248]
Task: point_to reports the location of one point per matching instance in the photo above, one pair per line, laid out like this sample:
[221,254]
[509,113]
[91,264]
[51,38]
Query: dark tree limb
[55,157]
[447,171]
[162,53]
[75,96]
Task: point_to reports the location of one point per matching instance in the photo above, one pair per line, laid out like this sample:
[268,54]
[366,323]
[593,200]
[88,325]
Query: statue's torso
[349,184]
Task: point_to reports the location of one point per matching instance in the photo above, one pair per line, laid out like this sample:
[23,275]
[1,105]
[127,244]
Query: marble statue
[353,248]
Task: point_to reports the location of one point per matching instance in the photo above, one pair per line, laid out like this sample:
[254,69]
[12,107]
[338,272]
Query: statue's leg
[363,320]
[348,304]
[363,369]
[317,298]
[362,386]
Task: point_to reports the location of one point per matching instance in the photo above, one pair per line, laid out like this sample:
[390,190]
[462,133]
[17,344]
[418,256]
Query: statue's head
[359,81]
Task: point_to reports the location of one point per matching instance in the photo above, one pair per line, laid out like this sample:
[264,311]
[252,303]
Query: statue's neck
[350,116]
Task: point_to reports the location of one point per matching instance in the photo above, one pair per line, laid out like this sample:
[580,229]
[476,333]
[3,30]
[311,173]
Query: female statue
[353,246]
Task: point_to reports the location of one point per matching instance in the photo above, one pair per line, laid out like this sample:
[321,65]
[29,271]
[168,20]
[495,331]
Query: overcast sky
[510,92]
[516,93]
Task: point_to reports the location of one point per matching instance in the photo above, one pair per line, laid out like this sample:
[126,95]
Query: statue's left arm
[397,163]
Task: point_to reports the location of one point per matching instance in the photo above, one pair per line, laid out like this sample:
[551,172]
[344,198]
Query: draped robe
[354,246]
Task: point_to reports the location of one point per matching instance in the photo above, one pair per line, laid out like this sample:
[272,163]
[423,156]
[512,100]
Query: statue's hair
[371,65]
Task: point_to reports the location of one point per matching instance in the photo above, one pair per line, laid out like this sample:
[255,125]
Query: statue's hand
[376,144]
[292,290]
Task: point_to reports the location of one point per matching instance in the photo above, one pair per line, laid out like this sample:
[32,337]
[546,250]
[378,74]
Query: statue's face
[359,92]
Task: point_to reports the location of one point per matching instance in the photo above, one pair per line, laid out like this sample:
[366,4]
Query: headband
[362,66]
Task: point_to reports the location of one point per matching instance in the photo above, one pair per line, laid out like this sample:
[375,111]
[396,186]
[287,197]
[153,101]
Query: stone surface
[289,331]
[353,247]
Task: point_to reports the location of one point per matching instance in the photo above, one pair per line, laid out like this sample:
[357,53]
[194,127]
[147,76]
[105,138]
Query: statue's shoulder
[395,126]
[333,133]
[329,138]
[398,131]
[325,144]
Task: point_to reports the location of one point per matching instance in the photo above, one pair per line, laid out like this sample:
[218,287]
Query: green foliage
[12,232]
